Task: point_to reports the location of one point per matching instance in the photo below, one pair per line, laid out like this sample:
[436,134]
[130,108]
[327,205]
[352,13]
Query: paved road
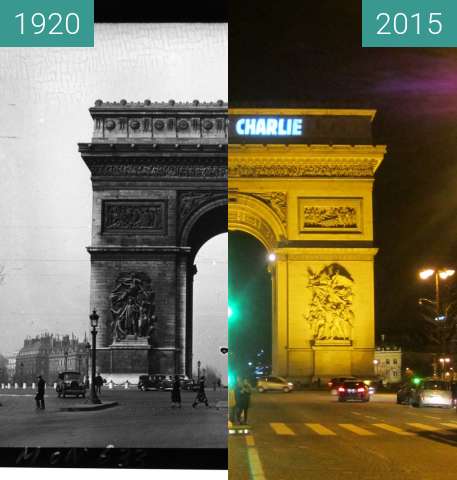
[142,420]
[309,435]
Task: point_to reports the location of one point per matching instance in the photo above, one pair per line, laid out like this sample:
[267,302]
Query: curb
[88,408]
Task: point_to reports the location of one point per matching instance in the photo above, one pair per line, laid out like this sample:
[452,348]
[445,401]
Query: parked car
[70,383]
[353,390]
[432,393]
[405,393]
[188,383]
[274,383]
[148,382]
[337,382]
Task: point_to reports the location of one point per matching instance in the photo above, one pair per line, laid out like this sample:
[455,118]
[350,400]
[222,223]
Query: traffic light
[416,380]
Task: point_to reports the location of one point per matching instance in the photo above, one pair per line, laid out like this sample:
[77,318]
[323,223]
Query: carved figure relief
[330,315]
[134,216]
[329,217]
[277,201]
[132,307]
[330,214]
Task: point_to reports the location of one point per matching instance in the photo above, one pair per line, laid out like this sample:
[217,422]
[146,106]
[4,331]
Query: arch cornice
[249,214]
[212,201]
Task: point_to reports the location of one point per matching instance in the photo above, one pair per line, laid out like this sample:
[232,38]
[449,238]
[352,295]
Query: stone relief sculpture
[132,307]
[330,315]
[133,216]
[329,217]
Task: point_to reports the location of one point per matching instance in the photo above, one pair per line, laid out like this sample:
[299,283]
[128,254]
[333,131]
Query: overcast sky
[45,207]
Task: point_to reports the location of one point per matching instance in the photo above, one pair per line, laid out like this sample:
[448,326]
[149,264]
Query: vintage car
[70,383]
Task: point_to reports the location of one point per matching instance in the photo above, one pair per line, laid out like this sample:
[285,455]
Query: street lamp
[443,274]
[444,362]
[94,324]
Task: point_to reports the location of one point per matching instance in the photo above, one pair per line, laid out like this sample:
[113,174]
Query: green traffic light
[416,380]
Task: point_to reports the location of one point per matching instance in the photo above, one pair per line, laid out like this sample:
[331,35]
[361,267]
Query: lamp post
[443,274]
[87,363]
[66,359]
[94,323]
[198,370]
[444,362]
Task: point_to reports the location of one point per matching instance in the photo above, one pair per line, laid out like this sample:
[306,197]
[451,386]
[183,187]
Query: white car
[265,384]
[432,393]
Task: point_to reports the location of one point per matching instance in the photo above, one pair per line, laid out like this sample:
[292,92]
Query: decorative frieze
[333,215]
[191,201]
[276,201]
[135,216]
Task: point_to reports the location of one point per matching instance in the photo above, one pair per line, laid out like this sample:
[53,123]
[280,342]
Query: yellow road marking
[355,429]
[391,428]
[450,424]
[255,464]
[282,429]
[320,429]
[424,427]
[250,441]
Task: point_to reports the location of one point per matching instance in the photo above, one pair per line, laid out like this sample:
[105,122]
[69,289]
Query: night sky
[309,54]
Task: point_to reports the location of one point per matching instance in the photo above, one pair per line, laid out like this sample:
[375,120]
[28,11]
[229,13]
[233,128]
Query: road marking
[355,429]
[320,429]
[356,413]
[391,428]
[255,465]
[450,424]
[370,417]
[16,395]
[282,429]
[429,416]
[424,427]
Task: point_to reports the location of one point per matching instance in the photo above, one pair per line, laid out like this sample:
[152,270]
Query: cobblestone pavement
[142,420]
[309,435]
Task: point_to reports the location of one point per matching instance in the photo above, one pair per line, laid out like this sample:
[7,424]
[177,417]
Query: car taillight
[341,389]
[361,390]
[330,384]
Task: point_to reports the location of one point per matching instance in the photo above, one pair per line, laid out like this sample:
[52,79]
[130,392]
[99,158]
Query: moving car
[337,382]
[353,390]
[70,383]
[432,393]
[274,383]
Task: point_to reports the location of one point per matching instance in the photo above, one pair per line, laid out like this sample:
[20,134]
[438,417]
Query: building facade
[388,364]
[48,355]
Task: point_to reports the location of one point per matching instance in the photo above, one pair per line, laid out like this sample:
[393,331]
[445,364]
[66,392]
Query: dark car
[148,382]
[70,383]
[337,382]
[405,394]
[353,390]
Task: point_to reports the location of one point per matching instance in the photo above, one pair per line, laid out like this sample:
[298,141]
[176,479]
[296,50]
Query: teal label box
[47,23]
[409,23]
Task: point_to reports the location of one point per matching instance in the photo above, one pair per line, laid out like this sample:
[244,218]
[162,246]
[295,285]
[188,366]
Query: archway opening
[210,310]
[250,307]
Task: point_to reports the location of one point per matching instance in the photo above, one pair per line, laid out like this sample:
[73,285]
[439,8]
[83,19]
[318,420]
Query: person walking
[176,393]
[98,383]
[245,401]
[39,397]
[201,395]
[232,405]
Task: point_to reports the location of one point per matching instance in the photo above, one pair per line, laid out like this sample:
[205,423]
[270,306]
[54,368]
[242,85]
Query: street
[308,435]
[141,420]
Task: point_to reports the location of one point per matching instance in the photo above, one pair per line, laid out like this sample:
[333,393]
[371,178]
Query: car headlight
[290,384]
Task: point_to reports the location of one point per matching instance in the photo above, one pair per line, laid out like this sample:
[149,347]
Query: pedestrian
[176,393]
[232,405]
[39,397]
[201,395]
[237,390]
[244,401]
[98,381]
